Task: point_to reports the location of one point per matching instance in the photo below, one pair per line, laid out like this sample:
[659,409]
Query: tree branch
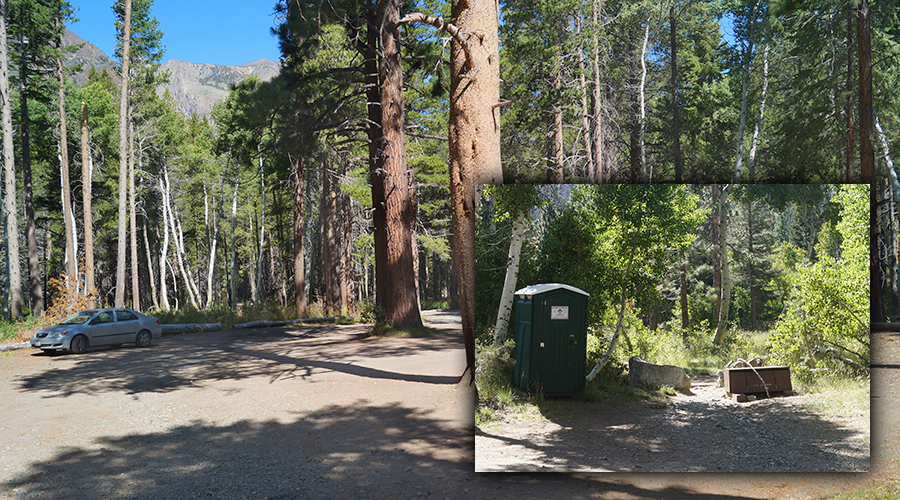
[449,28]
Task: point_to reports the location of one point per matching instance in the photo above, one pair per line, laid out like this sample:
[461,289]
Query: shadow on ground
[682,435]
[177,362]
[404,454]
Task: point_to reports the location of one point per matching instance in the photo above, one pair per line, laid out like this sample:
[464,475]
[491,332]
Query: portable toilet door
[553,358]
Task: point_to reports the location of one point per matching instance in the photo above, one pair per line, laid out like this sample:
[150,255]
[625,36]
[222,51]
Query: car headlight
[59,334]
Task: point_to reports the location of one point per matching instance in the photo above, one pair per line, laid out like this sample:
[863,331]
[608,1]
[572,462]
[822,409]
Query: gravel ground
[314,412]
[695,431]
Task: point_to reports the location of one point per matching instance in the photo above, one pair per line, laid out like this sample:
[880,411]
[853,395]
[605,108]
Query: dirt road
[310,412]
[697,430]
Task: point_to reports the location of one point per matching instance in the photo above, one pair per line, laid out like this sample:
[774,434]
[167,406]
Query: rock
[644,373]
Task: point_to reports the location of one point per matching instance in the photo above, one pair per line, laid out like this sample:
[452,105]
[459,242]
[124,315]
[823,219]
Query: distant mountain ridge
[195,87]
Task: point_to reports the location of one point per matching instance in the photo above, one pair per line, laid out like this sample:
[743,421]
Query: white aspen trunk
[599,172]
[68,257]
[894,199]
[231,264]
[722,323]
[612,343]
[71,264]
[751,160]
[214,241]
[153,292]
[188,273]
[748,58]
[509,284]
[164,249]
[892,174]
[644,172]
[178,238]
[174,283]
[585,107]
[262,231]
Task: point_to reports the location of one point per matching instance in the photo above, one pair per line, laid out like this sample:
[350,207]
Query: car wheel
[79,344]
[143,338]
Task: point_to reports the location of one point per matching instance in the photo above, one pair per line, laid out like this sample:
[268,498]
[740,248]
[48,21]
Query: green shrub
[494,366]
[615,371]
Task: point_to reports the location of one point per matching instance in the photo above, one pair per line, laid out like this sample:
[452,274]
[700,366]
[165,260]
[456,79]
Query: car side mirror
[95,321]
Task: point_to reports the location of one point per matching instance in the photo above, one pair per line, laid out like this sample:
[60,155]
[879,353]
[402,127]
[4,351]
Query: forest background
[275,202]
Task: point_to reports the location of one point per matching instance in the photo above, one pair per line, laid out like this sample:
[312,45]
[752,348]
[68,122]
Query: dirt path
[695,431]
[315,412]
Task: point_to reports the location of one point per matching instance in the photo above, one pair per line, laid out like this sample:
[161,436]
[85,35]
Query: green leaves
[830,304]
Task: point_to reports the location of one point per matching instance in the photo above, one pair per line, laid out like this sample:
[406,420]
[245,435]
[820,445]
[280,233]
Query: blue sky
[228,32]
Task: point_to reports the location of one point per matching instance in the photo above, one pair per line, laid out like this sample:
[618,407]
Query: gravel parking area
[314,411]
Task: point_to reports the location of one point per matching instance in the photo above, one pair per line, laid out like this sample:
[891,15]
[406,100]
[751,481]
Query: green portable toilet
[551,338]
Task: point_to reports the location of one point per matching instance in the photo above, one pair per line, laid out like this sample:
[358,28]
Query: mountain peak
[260,62]
[195,87]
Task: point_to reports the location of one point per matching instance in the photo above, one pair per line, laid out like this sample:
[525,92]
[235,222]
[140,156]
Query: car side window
[106,317]
[125,315]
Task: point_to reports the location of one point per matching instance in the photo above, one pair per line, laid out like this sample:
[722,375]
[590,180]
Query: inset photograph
[673,328]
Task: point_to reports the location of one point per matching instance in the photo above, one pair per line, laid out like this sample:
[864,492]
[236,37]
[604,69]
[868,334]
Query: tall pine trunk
[123,157]
[374,133]
[474,144]
[867,154]
[557,155]
[34,264]
[86,166]
[402,310]
[9,175]
[300,303]
[132,216]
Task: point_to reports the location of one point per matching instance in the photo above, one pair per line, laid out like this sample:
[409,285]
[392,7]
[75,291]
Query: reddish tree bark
[402,304]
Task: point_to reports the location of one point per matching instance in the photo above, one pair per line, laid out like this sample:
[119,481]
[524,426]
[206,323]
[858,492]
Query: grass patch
[838,397]
[884,491]
[428,305]
[612,393]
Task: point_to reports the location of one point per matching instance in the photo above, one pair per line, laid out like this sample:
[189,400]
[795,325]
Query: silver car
[96,327]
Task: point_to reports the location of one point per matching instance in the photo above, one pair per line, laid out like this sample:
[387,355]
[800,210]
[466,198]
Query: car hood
[56,328]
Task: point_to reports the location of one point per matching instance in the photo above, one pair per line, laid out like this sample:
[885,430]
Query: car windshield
[78,319]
